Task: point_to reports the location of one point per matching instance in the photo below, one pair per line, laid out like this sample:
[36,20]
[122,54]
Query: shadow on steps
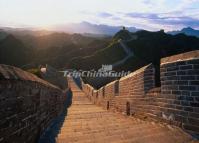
[78,82]
[50,134]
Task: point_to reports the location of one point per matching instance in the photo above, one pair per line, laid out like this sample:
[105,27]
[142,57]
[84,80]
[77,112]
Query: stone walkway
[88,123]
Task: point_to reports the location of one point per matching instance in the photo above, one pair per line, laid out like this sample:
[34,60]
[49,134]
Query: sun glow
[145,13]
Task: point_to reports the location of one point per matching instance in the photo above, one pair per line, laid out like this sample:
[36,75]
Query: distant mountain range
[86,27]
[12,51]
[29,49]
[23,31]
[187,31]
[2,34]
[148,47]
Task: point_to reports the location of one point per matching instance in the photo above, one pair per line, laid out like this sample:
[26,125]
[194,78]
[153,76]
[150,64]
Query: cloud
[104,14]
[184,4]
[116,18]
[143,15]
[149,2]
[184,21]
[146,1]
[166,19]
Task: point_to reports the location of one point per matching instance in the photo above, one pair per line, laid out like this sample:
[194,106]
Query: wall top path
[12,73]
[181,57]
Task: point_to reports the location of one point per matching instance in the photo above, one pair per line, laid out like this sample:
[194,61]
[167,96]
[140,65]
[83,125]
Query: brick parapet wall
[175,102]
[101,96]
[180,87]
[111,89]
[138,82]
[28,105]
[135,84]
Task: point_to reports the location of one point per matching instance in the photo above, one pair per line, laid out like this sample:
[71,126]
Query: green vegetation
[56,49]
[75,51]
[122,34]
[109,55]
[132,64]
[13,52]
[151,46]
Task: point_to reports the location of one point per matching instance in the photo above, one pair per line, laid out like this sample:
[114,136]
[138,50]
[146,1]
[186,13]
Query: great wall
[132,109]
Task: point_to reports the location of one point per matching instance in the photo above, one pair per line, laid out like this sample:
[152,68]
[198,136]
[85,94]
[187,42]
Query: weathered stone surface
[182,58]
[27,105]
[88,123]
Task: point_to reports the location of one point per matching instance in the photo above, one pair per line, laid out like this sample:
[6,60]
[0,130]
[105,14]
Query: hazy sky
[147,14]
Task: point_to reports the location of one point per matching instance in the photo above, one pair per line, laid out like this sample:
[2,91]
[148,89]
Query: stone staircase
[88,123]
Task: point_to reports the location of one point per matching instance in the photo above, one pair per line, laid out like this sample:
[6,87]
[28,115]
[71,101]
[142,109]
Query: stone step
[88,123]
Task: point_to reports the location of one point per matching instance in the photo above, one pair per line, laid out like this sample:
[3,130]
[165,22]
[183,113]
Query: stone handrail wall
[110,89]
[180,88]
[138,82]
[175,102]
[27,105]
[101,95]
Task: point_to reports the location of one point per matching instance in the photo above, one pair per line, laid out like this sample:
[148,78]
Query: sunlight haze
[145,14]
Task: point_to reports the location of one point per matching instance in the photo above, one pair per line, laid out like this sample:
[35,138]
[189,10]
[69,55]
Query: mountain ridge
[82,28]
[187,31]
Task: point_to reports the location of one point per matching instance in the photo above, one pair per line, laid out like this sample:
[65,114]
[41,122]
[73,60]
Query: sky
[145,14]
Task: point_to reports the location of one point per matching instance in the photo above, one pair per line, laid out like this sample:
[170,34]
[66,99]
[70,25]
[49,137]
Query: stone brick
[196,99]
[188,88]
[185,103]
[186,93]
[193,121]
[181,73]
[185,67]
[191,77]
[176,92]
[189,98]
[194,115]
[180,82]
[193,61]
[176,102]
[170,73]
[194,104]
[174,68]
[171,87]
[190,109]
[196,67]
[192,72]
[194,82]
[191,127]
[181,97]
[166,92]
[166,78]
[167,83]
